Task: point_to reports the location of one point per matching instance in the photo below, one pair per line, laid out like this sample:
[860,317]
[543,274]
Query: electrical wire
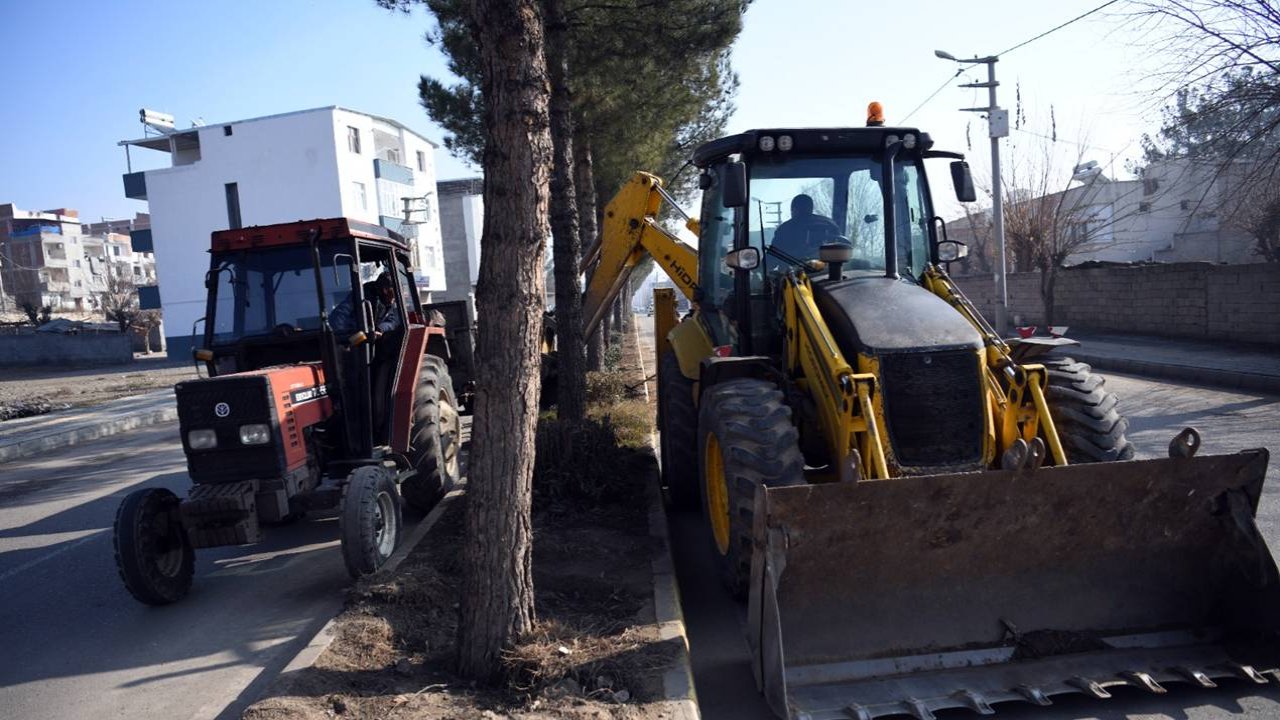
[933,95]
[1052,30]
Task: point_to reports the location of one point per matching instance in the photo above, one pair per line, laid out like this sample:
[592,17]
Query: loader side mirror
[951,251]
[962,179]
[733,175]
[747,258]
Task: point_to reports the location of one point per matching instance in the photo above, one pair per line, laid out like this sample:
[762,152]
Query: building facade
[319,163]
[461,225]
[47,260]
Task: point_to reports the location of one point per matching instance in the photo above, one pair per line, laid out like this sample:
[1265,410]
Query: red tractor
[328,389]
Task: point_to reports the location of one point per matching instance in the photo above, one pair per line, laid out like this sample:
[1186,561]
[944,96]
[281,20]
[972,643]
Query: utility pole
[998,127]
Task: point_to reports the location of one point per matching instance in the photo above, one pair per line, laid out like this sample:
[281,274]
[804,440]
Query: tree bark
[571,380]
[585,185]
[497,587]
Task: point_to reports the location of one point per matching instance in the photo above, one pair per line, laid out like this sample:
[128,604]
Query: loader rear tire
[370,521]
[1084,411]
[153,555]
[679,434]
[746,441]
[436,437]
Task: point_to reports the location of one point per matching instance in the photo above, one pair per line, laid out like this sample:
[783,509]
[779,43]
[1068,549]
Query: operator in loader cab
[802,235]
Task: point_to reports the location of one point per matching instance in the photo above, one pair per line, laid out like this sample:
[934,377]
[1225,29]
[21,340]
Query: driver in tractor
[799,238]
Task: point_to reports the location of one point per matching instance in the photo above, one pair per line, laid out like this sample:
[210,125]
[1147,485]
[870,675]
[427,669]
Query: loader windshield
[799,203]
[273,290]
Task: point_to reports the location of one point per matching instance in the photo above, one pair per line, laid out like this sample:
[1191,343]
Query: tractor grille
[245,400]
[933,406]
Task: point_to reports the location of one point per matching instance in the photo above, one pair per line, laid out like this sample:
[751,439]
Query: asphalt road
[74,643]
[1227,421]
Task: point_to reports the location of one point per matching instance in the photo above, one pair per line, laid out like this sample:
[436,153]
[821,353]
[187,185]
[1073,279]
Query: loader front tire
[1084,411]
[153,555]
[746,441]
[370,520]
[679,434]
[436,437]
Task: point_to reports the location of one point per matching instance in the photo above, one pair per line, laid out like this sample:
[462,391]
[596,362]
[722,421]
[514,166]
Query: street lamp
[998,126]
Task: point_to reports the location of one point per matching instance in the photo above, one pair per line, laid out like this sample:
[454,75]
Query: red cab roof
[299,233]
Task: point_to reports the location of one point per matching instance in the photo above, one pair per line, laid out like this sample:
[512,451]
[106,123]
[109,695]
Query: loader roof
[806,140]
[299,233]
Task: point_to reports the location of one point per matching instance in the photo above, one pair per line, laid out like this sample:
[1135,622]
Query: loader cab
[785,193]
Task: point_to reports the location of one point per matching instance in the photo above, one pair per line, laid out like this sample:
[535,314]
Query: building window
[226,130]
[79,284]
[1150,186]
[1144,207]
[392,155]
[361,197]
[1185,204]
[115,249]
[77,263]
[422,161]
[233,206]
[353,139]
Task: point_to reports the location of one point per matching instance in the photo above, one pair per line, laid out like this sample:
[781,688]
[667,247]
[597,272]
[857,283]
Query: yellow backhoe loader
[920,514]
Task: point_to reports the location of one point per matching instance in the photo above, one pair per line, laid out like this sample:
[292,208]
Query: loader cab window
[799,202]
[715,240]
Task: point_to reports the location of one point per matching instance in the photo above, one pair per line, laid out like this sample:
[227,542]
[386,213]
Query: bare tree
[119,301]
[497,587]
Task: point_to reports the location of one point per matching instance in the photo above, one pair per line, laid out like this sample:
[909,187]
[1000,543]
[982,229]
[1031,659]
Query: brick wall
[1189,300]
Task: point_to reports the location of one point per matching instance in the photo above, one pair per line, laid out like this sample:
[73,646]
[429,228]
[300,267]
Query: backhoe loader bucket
[916,594]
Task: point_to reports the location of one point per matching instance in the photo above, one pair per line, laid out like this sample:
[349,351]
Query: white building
[461,225]
[320,163]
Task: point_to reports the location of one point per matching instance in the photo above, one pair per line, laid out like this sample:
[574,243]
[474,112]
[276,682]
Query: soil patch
[595,651]
[61,387]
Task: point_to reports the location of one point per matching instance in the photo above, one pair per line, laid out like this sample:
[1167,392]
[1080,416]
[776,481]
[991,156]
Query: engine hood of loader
[877,315]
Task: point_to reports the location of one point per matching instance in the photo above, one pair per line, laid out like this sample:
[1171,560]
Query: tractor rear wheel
[747,441]
[437,435]
[153,554]
[679,435]
[1084,411]
[371,520]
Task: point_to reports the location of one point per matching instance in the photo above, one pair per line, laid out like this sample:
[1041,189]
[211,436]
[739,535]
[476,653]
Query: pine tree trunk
[585,184]
[571,382]
[497,589]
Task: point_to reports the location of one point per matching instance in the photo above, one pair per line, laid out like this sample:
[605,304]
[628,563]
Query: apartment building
[461,225]
[318,163]
[46,259]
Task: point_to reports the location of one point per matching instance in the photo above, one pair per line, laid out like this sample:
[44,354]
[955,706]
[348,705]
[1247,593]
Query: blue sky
[78,71]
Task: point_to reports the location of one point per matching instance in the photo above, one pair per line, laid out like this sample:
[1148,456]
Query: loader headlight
[784,143]
[766,143]
[202,439]
[256,434]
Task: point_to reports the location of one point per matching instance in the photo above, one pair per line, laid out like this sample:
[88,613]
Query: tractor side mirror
[962,179]
[733,175]
[952,250]
[747,258]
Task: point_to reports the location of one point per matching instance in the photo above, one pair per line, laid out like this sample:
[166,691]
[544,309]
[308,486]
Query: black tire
[370,521]
[436,437]
[152,551]
[679,435]
[1084,411]
[758,446]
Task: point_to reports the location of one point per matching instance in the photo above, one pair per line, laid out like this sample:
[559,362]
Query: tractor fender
[691,343]
[714,370]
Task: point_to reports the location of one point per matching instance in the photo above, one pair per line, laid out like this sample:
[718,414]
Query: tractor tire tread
[679,434]
[1085,413]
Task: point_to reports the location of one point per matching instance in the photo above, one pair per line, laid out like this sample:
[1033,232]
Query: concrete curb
[328,632]
[677,681]
[1228,379]
[55,439]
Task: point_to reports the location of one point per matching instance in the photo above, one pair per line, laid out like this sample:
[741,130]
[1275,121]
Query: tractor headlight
[202,439]
[256,434]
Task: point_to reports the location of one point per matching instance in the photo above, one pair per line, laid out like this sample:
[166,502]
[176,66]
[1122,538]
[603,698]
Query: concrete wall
[54,349]
[1188,300]
[462,221]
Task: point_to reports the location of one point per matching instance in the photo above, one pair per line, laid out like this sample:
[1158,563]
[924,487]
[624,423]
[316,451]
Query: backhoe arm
[630,230]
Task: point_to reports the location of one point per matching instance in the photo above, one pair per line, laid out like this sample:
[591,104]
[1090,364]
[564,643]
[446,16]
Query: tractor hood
[878,315]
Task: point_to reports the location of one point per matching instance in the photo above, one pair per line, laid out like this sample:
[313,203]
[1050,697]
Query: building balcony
[392,171]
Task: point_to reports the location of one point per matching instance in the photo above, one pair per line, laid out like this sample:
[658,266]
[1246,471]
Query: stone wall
[1186,300]
[57,349]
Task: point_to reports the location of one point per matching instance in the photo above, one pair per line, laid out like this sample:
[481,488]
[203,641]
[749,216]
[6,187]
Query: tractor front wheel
[1089,425]
[371,520]
[746,441]
[153,554]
